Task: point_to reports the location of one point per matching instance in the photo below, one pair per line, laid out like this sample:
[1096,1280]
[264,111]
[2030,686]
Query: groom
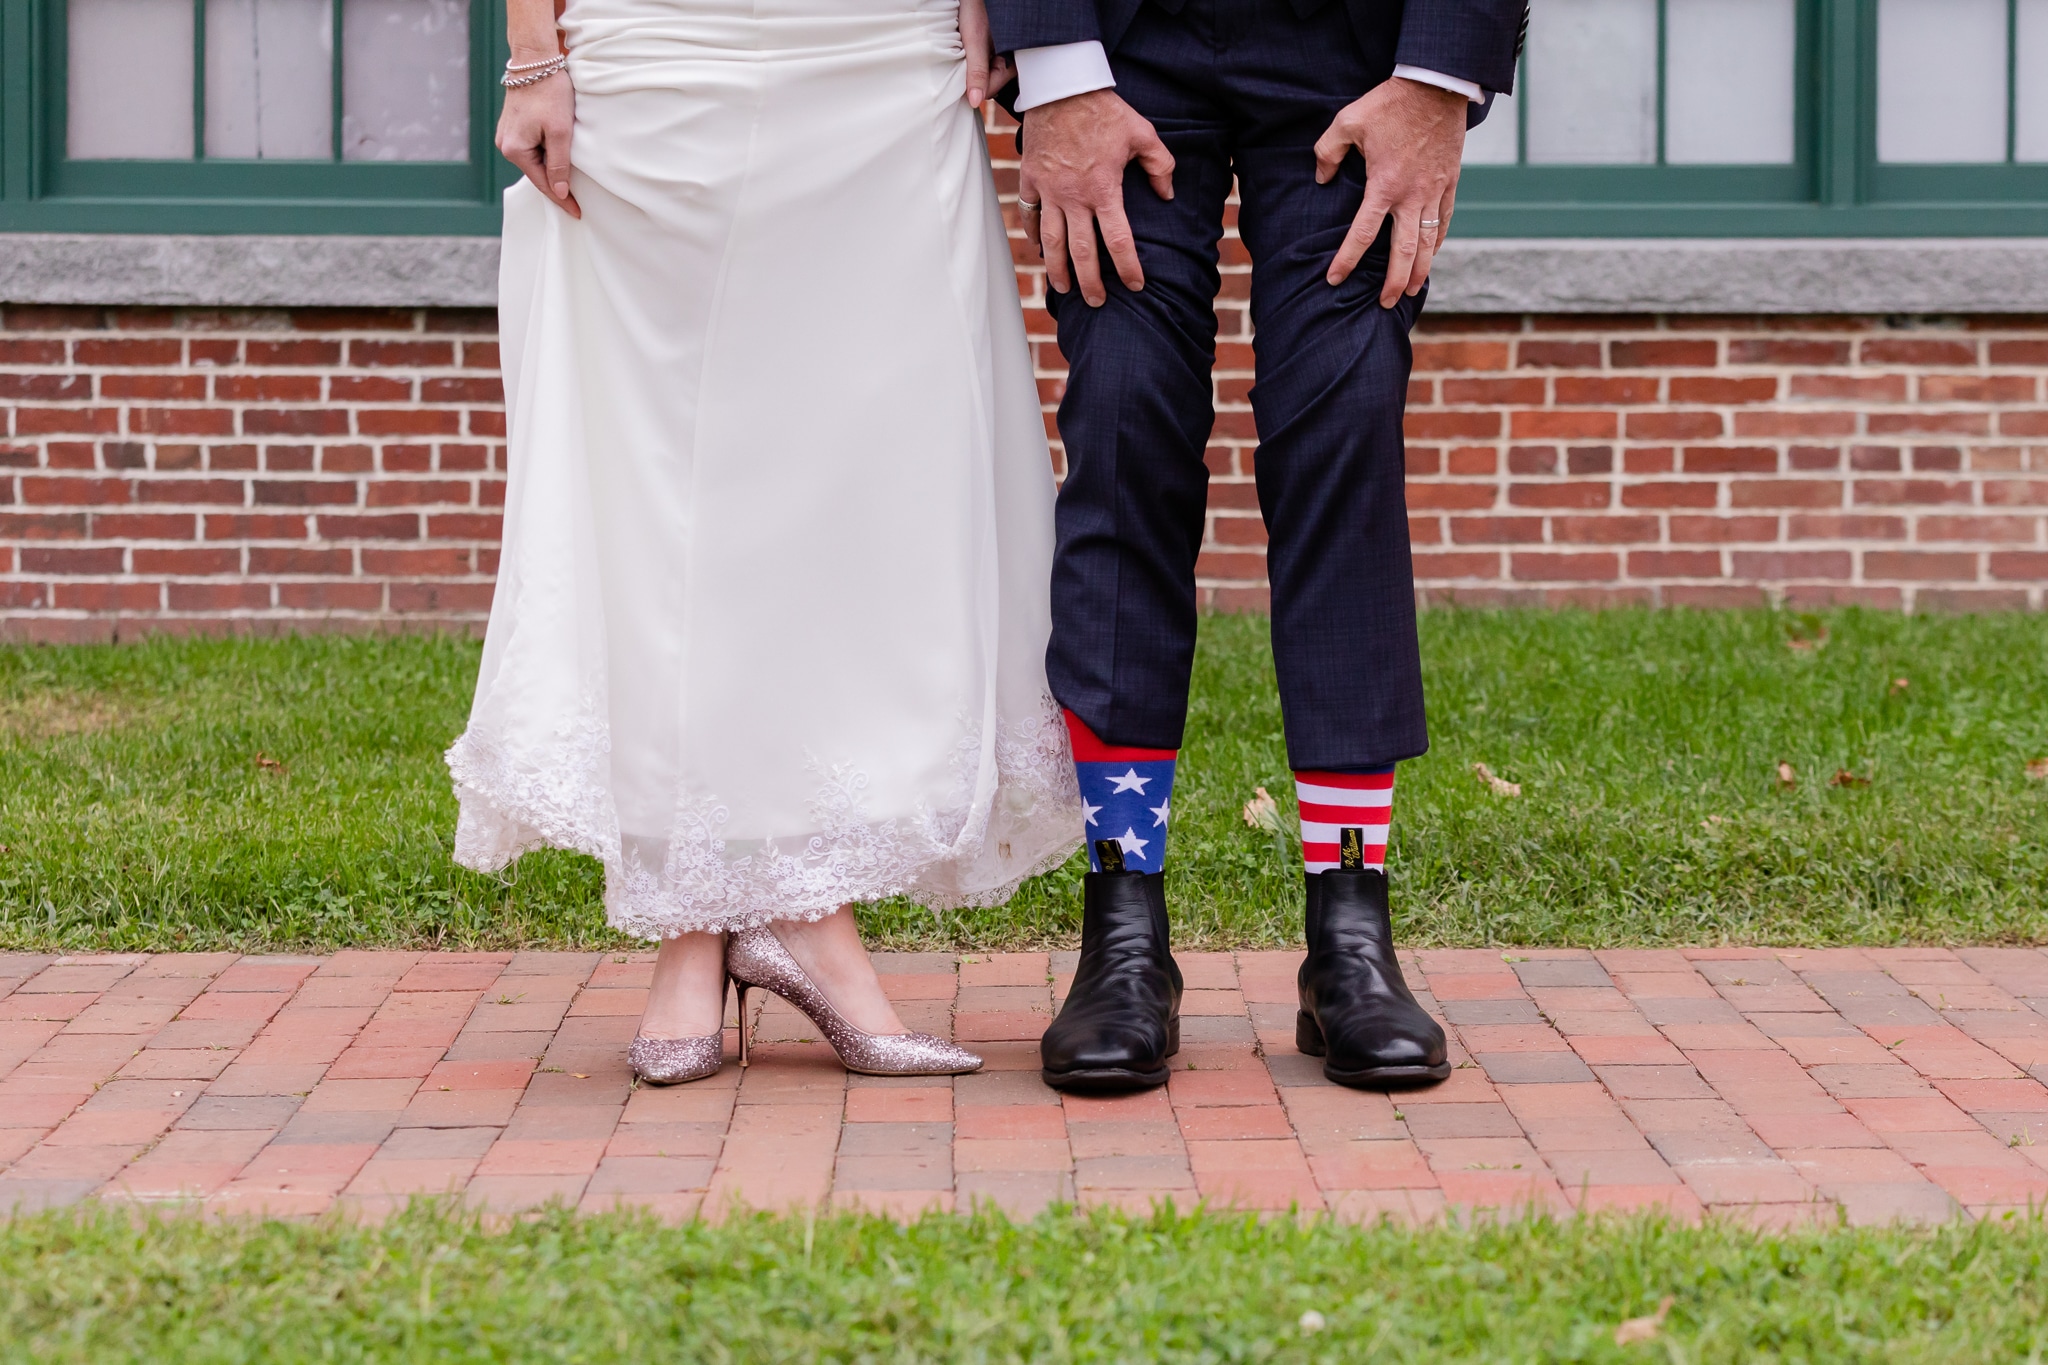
[1342,122]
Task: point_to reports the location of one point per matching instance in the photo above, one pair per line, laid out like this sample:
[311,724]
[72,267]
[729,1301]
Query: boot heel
[746,1034]
[1173,1036]
[1308,1036]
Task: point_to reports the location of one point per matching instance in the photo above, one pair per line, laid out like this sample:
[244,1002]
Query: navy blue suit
[1243,88]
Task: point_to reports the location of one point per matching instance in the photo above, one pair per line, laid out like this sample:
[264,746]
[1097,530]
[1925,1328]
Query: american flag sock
[1126,800]
[1334,802]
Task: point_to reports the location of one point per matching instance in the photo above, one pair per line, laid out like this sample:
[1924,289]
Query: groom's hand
[1412,137]
[1075,151]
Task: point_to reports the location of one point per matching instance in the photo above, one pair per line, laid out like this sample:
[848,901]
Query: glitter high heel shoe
[672,1061]
[756,959]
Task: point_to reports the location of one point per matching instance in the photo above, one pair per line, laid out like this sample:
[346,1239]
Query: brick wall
[269,469]
[273,469]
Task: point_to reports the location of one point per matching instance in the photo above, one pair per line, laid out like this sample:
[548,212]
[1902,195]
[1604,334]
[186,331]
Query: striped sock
[1126,800]
[1333,802]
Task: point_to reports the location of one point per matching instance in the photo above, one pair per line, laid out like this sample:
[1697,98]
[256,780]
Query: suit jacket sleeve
[1042,23]
[1474,40]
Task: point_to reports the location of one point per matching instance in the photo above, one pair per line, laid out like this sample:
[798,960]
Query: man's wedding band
[1023,207]
[1432,222]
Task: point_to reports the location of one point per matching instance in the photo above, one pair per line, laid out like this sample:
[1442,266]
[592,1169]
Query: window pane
[1593,81]
[1492,143]
[269,79]
[129,79]
[1728,81]
[2030,141]
[1941,80]
[405,80]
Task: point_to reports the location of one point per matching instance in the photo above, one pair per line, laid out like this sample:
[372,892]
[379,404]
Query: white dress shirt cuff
[1045,74]
[1469,89]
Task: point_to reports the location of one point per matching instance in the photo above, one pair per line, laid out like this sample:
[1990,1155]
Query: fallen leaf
[1806,632]
[1501,786]
[1900,685]
[269,764]
[1643,1328]
[1788,777]
[1844,778]
[581,1075]
[2038,770]
[1262,811]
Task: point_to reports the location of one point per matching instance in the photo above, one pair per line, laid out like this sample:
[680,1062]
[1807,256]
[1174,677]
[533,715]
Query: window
[1769,118]
[249,115]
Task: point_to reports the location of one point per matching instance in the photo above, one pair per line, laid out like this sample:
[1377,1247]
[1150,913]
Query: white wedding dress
[770,622]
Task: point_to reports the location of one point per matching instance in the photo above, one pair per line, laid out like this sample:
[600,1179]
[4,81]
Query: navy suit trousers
[1244,88]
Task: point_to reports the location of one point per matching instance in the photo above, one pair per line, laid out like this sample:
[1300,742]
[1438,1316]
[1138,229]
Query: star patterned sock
[1334,802]
[1126,799]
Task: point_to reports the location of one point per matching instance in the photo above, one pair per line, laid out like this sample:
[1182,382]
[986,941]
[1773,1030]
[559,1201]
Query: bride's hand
[987,71]
[534,133]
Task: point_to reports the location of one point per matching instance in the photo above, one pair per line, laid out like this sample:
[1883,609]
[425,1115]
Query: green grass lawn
[290,793]
[1213,1288]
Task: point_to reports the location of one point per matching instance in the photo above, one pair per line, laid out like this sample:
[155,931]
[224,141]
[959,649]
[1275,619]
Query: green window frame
[42,190]
[1835,185]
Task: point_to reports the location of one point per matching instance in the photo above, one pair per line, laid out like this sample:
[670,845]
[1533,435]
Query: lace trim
[972,849]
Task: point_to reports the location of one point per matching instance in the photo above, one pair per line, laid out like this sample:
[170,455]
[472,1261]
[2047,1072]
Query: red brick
[181,421]
[129,351]
[1674,564]
[1881,388]
[1602,530]
[1910,492]
[186,562]
[2024,567]
[1429,355]
[1663,354]
[267,388]
[1574,355]
[38,421]
[1702,389]
[1787,351]
[1579,494]
[1673,426]
[1441,426]
[1563,425]
[1919,565]
[74,492]
[298,352]
[1532,566]
[1721,530]
[1783,564]
[1903,351]
[1669,494]
[1785,493]
[1989,529]
[1621,390]
[407,353]
[1497,530]
[1843,526]
[1952,423]
[1729,460]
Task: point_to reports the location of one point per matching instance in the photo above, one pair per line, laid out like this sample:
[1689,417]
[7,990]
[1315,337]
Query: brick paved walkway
[1777,1084]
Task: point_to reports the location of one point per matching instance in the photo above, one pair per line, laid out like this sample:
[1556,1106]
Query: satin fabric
[770,622]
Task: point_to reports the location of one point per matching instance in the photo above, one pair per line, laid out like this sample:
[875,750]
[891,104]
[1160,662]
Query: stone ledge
[1933,275]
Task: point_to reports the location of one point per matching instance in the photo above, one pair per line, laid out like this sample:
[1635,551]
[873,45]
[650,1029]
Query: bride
[770,623]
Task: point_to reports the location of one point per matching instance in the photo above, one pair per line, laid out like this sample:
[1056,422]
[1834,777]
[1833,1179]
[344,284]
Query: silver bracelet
[539,71]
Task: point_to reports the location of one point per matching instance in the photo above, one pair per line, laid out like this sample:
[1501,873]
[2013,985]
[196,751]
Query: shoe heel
[1308,1035]
[746,1034]
[1173,1037]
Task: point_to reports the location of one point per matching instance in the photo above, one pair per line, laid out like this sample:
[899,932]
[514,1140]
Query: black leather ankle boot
[1356,1012]
[1122,1017]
